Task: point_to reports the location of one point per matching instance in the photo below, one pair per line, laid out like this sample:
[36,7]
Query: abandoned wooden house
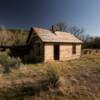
[41,45]
[49,45]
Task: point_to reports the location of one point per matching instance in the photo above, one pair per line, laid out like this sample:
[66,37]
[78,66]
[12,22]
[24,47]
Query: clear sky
[43,13]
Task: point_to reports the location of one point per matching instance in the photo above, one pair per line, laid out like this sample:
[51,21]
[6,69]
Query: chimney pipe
[54,28]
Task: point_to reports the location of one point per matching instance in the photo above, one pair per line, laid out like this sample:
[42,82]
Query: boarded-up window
[74,49]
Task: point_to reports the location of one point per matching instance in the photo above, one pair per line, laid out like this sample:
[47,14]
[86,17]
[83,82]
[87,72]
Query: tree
[78,32]
[89,41]
[59,27]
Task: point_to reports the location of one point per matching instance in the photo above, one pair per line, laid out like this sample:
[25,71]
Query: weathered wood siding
[48,52]
[66,52]
[36,53]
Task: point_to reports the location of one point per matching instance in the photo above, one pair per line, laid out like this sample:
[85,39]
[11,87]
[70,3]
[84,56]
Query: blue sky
[43,13]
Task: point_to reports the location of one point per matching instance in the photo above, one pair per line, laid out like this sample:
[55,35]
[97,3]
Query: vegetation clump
[7,62]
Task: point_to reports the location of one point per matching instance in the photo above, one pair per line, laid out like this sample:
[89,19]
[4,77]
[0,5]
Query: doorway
[56,52]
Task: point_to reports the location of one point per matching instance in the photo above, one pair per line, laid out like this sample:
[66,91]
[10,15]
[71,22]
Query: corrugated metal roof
[47,36]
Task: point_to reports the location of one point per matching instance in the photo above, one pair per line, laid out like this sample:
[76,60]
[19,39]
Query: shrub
[8,62]
[98,69]
[52,76]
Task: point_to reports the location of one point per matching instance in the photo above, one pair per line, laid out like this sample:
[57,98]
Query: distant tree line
[88,41]
[92,43]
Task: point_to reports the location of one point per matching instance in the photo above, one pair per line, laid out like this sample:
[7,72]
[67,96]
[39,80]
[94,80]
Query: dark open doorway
[56,52]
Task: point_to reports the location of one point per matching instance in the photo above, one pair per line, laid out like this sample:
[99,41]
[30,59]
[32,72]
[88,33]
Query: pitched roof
[48,36]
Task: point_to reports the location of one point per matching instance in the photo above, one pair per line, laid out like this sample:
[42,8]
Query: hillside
[69,80]
[9,37]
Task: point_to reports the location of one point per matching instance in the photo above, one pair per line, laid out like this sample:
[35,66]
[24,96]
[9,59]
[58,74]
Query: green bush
[8,62]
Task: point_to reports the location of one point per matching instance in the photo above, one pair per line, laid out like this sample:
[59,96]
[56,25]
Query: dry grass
[69,80]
